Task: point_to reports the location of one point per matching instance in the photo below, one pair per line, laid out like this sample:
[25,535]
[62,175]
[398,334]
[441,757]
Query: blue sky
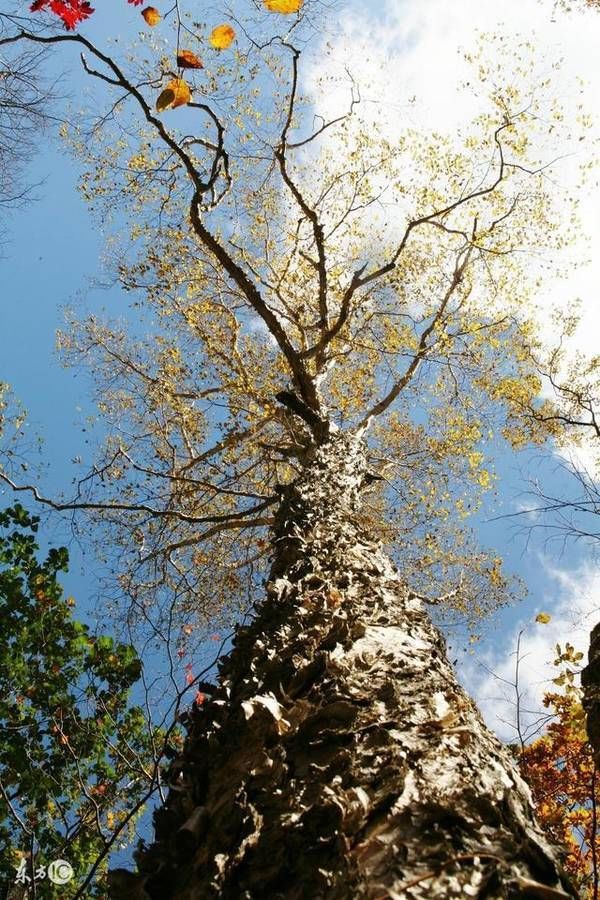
[53,258]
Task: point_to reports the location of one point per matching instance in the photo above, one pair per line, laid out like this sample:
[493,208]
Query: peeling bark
[590,681]
[340,758]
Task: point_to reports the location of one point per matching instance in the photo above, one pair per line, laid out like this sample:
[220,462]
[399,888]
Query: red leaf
[70,12]
[199,698]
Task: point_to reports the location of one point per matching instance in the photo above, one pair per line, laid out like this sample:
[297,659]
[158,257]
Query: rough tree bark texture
[340,758]
[590,681]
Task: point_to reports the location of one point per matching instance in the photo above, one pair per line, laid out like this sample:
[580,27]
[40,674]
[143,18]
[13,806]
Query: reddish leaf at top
[70,12]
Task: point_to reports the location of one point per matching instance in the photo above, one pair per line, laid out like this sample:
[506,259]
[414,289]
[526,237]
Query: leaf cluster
[75,752]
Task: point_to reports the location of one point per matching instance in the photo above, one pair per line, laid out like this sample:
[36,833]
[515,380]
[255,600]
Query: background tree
[26,97]
[77,758]
[560,770]
[318,369]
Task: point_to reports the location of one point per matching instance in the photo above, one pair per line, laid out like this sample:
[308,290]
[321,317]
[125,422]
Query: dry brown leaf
[151,15]
[188,60]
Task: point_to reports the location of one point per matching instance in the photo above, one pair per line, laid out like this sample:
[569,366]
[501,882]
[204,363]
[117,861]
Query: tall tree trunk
[590,681]
[340,758]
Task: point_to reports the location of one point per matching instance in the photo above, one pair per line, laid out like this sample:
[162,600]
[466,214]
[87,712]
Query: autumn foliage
[70,12]
[559,765]
[560,770]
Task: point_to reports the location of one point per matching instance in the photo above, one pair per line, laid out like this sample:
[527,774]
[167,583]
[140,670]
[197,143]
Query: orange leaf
[221,37]
[283,6]
[151,16]
[188,60]
[176,93]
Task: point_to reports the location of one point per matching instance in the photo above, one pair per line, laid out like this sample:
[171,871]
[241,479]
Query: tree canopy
[290,288]
[296,274]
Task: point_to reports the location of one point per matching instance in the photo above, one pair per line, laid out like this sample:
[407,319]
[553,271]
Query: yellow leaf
[176,93]
[283,6]
[543,618]
[151,15]
[221,37]
[188,60]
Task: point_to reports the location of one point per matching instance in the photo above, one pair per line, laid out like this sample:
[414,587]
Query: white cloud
[574,604]
[410,52]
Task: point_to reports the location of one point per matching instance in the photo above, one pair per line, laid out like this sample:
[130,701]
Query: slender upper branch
[360,279]
[424,345]
[309,212]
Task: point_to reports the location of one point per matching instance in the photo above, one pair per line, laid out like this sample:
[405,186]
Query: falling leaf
[187,629]
[221,37]
[151,15]
[189,678]
[283,6]
[199,698]
[188,60]
[543,618]
[176,93]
